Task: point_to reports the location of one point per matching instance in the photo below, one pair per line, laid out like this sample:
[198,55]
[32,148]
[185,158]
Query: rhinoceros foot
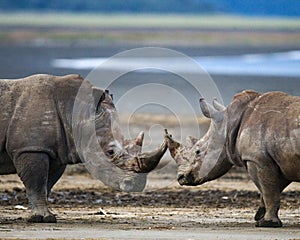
[268,223]
[35,219]
[260,213]
[49,219]
[42,219]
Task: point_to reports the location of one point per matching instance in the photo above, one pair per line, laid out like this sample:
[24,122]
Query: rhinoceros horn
[139,139]
[134,160]
[147,161]
[174,146]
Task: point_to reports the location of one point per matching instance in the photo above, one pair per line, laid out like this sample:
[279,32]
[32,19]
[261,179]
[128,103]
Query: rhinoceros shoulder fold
[234,114]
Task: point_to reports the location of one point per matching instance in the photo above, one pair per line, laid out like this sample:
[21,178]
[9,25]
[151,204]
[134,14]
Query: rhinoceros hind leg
[35,219]
[49,219]
[33,168]
[269,180]
[260,213]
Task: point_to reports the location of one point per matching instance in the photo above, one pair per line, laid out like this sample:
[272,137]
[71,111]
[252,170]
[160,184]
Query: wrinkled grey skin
[257,131]
[36,137]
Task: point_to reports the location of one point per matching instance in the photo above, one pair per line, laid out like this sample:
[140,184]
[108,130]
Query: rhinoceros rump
[40,135]
[257,131]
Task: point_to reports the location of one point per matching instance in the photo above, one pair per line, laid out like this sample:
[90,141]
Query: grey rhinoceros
[37,137]
[260,132]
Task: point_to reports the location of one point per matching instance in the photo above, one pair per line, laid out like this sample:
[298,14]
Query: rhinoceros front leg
[271,183]
[33,170]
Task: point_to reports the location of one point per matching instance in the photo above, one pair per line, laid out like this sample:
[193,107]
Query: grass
[147,21]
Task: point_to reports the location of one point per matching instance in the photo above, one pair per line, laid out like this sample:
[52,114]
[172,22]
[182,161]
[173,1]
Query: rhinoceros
[37,137]
[260,132]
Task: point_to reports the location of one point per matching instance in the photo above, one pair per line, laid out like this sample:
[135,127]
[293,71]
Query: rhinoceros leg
[261,211]
[271,183]
[55,172]
[33,170]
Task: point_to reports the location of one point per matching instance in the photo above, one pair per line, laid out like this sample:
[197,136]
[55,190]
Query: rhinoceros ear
[99,96]
[110,94]
[209,111]
[218,106]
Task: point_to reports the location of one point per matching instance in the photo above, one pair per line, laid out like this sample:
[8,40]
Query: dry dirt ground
[85,208]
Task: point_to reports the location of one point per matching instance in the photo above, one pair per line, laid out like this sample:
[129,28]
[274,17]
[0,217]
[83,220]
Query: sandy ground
[85,208]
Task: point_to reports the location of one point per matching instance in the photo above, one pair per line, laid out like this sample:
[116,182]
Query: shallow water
[285,64]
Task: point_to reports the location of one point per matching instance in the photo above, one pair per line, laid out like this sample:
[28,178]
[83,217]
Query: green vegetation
[147,21]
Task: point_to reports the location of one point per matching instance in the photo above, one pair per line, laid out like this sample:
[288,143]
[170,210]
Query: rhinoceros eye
[198,152]
[98,109]
[111,152]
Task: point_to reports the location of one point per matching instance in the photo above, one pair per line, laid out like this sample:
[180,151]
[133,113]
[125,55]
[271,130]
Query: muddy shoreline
[85,208]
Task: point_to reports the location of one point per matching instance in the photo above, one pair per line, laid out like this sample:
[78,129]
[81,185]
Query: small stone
[20,207]
[101,212]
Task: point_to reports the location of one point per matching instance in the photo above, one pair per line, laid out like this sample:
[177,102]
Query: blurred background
[242,45]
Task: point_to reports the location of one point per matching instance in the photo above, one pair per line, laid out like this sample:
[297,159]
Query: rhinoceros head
[204,159]
[109,157]
[124,153]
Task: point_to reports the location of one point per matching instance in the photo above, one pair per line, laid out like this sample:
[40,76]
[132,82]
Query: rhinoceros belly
[286,153]
[6,164]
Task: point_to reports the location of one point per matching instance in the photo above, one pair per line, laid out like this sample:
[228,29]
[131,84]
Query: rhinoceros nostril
[181,179]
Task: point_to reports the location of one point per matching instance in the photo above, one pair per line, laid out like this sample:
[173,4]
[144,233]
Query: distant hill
[242,7]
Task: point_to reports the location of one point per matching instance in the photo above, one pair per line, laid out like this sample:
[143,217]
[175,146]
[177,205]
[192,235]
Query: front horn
[147,161]
[172,144]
